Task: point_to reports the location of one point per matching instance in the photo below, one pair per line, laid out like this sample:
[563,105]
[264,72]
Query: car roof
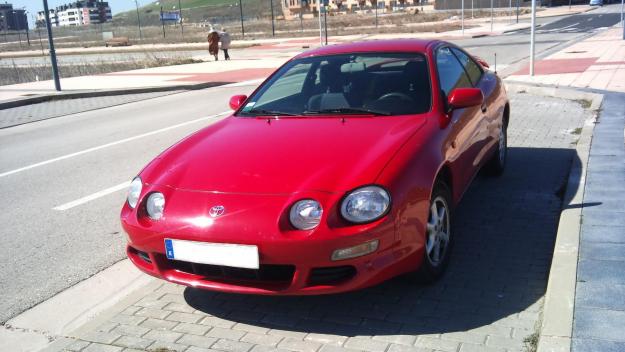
[394,45]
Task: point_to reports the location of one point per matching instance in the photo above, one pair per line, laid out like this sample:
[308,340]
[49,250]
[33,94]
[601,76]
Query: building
[79,13]
[12,19]
[292,8]
[41,19]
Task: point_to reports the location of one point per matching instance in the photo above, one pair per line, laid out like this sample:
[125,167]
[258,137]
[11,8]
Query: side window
[474,71]
[450,72]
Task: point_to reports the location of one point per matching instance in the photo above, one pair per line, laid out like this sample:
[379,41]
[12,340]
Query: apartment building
[12,19]
[79,13]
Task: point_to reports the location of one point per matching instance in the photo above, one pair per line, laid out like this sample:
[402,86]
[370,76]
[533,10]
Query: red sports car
[340,171]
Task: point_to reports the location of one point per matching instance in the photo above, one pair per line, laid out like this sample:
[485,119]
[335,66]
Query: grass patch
[585,103]
[22,74]
[531,342]
[577,131]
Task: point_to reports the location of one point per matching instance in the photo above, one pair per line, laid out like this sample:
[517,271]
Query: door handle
[484,108]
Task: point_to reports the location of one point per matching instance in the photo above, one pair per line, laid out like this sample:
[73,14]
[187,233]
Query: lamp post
[181,24]
[241,11]
[162,22]
[532,36]
[139,20]
[273,27]
[55,69]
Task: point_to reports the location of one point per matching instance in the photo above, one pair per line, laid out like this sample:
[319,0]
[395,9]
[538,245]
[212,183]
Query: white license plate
[234,255]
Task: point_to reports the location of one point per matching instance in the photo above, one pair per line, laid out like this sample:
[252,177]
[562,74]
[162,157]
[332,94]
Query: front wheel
[438,235]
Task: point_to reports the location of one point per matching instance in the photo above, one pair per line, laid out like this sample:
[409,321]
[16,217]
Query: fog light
[356,251]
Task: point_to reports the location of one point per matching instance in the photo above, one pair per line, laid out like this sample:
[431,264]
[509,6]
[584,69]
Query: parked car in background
[596,2]
[340,171]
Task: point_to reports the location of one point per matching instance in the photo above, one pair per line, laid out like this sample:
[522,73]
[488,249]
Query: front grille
[331,275]
[266,273]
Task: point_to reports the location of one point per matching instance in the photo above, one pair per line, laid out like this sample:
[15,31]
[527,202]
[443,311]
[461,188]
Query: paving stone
[167,346]
[600,295]
[508,343]
[199,349]
[603,251]
[250,328]
[366,344]
[158,324]
[100,337]
[601,324]
[107,327]
[405,348]
[133,342]
[195,340]
[326,339]
[153,313]
[162,335]
[127,319]
[468,347]
[77,345]
[194,329]
[602,234]
[184,317]
[261,339]
[97,347]
[592,345]
[260,348]
[288,333]
[130,330]
[331,348]
[293,344]
[225,333]
[437,344]
[179,307]
[232,346]
[601,271]
[217,322]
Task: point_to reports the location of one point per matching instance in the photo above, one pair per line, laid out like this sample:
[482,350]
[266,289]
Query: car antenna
[495,63]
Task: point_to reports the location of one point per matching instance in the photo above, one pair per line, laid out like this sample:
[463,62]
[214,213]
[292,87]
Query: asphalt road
[62,180]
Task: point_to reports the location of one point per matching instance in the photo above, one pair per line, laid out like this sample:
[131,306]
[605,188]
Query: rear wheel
[497,163]
[438,235]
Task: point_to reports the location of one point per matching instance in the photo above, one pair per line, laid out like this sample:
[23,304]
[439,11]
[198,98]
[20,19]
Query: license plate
[234,255]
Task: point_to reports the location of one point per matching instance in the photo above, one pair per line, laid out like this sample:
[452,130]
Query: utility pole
[139,20]
[273,27]
[532,36]
[492,15]
[181,24]
[241,11]
[55,69]
[162,22]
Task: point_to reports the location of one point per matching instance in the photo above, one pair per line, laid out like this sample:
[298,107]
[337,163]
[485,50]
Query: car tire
[497,164]
[438,236]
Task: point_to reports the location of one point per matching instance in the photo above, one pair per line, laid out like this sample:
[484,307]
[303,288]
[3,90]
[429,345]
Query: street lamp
[55,69]
[139,20]
[273,27]
[241,11]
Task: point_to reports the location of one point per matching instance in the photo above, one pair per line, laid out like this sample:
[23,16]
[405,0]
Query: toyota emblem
[216,211]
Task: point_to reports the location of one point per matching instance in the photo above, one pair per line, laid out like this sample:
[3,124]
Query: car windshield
[367,83]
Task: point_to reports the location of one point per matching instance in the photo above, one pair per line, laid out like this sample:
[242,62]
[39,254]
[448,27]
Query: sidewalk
[597,62]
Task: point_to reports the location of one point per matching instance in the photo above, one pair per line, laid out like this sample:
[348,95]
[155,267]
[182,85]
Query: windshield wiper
[348,111]
[268,112]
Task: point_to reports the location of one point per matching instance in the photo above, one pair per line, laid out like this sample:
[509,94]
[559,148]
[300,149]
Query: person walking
[213,43]
[224,38]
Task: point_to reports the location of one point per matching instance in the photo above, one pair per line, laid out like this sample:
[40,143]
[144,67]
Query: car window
[451,74]
[473,70]
[376,83]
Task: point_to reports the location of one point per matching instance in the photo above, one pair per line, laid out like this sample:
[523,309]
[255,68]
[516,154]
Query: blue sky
[33,6]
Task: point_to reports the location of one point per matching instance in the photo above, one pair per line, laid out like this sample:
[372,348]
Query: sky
[34,6]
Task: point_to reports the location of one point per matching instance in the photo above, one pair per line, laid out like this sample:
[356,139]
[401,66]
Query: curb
[103,93]
[557,323]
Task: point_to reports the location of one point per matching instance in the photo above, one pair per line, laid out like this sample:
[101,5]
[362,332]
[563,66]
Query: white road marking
[91,197]
[559,29]
[111,144]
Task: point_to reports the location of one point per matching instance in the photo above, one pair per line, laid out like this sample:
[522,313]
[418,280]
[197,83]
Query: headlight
[365,204]
[155,205]
[134,191]
[305,214]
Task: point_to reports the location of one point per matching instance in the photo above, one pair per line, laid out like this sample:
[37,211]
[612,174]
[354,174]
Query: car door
[485,134]
[460,149]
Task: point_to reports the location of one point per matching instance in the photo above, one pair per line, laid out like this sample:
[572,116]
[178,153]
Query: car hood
[282,156]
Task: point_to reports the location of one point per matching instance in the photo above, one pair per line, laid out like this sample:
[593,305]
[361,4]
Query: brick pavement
[55,108]
[490,300]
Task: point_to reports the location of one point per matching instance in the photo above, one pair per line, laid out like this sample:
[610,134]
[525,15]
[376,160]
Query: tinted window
[451,73]
[381,83]
[474,71]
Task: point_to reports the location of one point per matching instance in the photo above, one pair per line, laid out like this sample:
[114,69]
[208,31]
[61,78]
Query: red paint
[559,66]
[237,101]
[465,97]
[258,167]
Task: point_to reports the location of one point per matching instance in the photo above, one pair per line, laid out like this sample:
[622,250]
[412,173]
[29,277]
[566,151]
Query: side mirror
[236,101]
[465,97]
